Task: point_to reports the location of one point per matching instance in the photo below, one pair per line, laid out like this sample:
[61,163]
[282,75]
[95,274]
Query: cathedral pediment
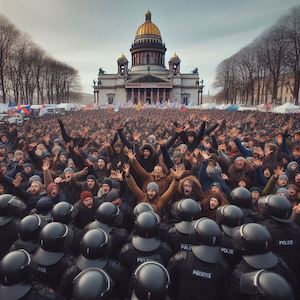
[147,79]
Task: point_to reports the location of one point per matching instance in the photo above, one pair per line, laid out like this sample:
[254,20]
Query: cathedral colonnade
[148,95]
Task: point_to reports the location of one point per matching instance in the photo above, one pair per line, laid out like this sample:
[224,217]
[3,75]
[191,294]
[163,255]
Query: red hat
[85,194]
[51,186]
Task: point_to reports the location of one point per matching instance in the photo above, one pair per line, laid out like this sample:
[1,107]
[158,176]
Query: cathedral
[147,80]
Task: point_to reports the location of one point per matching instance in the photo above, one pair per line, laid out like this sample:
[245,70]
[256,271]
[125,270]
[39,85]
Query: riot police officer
[254,241]
[265,285]
[201,273]
[92,284]
[179,236]
[151,281]
[43,208]
[11,208]
[16,280]
[242,198]
[229,217]
[107,215]
[94,252]
[28,232]
[64,212]
[50,259]
[145,244]
[142,207]
[285,233]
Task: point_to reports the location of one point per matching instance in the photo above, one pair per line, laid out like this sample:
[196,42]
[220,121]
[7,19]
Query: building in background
[147,80]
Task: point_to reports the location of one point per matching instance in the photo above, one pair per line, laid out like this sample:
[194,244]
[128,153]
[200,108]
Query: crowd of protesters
[108,192]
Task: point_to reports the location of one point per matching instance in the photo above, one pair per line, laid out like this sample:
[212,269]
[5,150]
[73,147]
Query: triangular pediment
[147,78]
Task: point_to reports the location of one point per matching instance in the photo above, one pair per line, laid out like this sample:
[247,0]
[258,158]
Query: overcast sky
[89,34]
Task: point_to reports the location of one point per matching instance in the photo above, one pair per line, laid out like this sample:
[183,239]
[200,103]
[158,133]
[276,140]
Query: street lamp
[200,91]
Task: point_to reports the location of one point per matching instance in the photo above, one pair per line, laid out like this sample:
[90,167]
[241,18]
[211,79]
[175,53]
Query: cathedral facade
[147,80]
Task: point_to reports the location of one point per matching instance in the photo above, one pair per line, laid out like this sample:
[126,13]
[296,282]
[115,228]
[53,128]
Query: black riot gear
[63,212]
[229,217]
[92,284]
[14,273]
[186,211]
[145,244]
[241,197]
[44,205]
[93,248]
[207,237]
[277,207]
[254,240]
[146,227]
[266,285]
[142,207]
[53,238]
[151,281]
[28,232]
[30,227]
[107,213]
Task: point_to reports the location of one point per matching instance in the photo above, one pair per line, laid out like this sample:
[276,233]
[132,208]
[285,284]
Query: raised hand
[224,176]
[46,165]
[205,155]
[234,132]
[279,139]
[136,135]
[17,182]
[222,147]
[126,168]
[130,154]
[278,171]
[256,162]
[178,172]
[85,171]
[58,180]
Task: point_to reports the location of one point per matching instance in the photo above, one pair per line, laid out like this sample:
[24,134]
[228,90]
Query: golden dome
[147,28]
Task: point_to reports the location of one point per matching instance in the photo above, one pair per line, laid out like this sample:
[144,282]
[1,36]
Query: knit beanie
[107,181]
[27,164]
[255,189]
[85,194]
[37,182]
[68,170]
[35,178]
[91,177]
[153,186]
[283,176]
[217,184]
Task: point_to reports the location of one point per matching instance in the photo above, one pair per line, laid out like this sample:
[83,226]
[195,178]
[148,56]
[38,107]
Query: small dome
[174,57]
[148,28]
[122,57]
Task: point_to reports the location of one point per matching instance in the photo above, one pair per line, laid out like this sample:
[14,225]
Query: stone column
[132,95]
[157,96]
[164,95]
[139,95]
[151,96]
[95,97]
